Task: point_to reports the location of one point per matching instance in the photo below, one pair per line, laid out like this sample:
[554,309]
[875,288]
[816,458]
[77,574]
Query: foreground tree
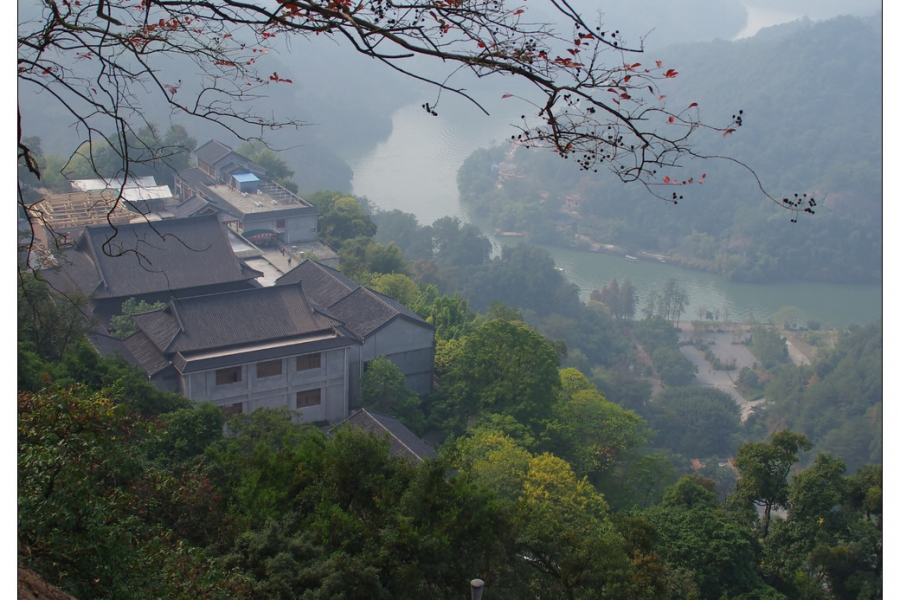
[502,367]
[713,548]
[696,422]
[384,390]
[94,513]
[48,321]
[831,538]
[592,434]
[565,544]
[764,469]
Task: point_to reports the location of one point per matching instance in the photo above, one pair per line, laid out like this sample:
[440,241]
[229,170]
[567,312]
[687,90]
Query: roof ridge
[97,264]
[177,319]
[307,302]
[327,271]
[378,296]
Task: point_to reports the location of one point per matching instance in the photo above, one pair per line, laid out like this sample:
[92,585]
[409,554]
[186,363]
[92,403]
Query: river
[414,170]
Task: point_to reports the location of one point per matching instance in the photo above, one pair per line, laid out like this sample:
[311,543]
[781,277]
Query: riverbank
[426,154]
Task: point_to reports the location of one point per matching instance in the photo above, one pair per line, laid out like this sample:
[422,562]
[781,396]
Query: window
[309,398]
[279,223]
[310,361]
[233,409]
[229,375]
[268,369]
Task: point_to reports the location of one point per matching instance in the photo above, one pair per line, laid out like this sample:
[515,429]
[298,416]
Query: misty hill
[811,96]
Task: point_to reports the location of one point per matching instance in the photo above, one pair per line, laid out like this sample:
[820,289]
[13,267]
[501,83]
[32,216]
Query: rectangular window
[279,223]
[310,361]
[309,398]
[268,369]
[233,409]
[229,375]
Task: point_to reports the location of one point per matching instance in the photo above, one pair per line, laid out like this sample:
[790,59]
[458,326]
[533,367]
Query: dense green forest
[560,475]
[811,125]
[578,457]
[128,492]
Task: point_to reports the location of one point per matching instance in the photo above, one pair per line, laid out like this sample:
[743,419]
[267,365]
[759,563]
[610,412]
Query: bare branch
[593,97]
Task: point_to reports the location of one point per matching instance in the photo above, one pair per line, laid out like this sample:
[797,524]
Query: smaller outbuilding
[403,442]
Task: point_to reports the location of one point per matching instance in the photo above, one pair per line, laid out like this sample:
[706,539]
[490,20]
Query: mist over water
[414,171]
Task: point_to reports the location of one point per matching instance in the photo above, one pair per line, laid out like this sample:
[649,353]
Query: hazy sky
[818,9]
[765,13]
[663,22]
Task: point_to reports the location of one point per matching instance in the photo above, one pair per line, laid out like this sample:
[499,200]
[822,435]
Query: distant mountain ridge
[812,104]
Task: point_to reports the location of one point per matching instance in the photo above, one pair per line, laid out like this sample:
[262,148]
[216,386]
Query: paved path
[797,356]
[726,349]
[272,263]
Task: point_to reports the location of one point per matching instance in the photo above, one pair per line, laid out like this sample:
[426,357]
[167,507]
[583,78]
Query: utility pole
[477,588]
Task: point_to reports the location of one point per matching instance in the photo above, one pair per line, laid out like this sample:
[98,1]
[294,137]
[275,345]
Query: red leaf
[506,96]
[666,179]
[481,44]
[693,104]
[519,12]
[671,118]
[671,73]
[727,131]
[659,63]
[627,78]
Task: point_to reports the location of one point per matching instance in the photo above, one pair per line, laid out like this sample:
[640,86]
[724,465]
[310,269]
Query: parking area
[727,348]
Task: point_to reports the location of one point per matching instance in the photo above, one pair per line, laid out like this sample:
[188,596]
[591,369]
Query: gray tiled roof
[147,356]
[211,151]
[398,306]
[323,285]
[75,271]
[159,326]
[232,319]
[190,207]
[403,442]
[194,362]
[162,255]
[107,345]
[235,163]
[363,310]
[194,177]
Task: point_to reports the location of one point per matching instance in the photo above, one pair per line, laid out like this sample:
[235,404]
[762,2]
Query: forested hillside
[837,401]
[811,102]
[560,474]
